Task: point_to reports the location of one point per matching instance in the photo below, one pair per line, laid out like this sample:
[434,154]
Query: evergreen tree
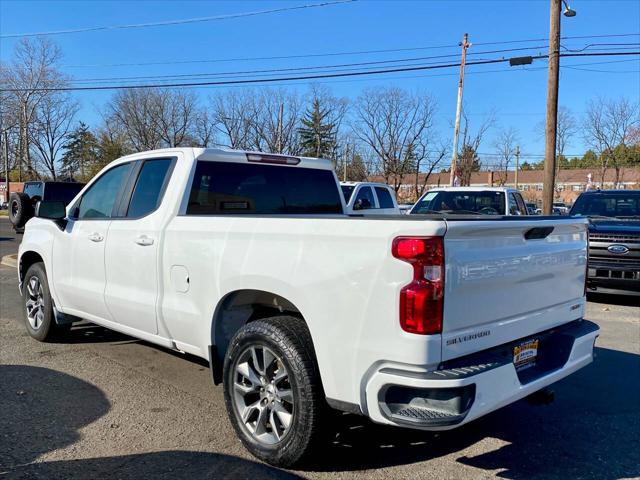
[318,132]
[80,153]
[109,147]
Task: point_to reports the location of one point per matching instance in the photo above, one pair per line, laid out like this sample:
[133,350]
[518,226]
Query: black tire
[289,339]
[39,322]
[20,209]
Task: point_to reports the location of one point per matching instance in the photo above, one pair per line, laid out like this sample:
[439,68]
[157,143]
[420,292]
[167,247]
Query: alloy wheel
[35,302]
[262,393]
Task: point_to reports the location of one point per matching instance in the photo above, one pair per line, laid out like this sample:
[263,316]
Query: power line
[332,54]
[293,69]
[269,80]
[176,22]
[309,77]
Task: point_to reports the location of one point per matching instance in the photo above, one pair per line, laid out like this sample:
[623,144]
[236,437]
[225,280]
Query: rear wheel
[38,305]
[273,392]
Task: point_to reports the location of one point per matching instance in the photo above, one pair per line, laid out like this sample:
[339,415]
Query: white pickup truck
[369,198]
[247,260]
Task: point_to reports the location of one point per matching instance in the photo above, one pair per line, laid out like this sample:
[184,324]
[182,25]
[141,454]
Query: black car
[614,239]
[22,204]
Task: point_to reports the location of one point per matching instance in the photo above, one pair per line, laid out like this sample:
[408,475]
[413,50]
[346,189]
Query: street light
[568,12]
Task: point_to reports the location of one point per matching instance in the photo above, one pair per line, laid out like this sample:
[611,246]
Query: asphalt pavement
[103,405]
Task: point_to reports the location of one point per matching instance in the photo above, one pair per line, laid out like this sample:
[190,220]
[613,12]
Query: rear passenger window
[514,207]
[149,187]
[240,188]
[384,197]
[364,200]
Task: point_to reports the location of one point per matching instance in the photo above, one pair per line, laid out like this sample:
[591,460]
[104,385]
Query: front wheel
[272,389]
[38,305]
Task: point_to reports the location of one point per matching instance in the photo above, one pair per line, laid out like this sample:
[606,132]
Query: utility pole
[5,144]
[548,186]
[456,129]
[346,156]
[280,127]
[517,165]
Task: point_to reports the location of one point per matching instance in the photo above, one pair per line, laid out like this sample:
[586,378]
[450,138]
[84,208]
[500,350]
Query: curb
[10,260]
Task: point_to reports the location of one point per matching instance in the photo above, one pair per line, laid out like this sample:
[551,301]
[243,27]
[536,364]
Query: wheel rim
[14,208]
[262,393]
[35,302]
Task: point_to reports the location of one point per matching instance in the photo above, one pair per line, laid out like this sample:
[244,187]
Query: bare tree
[235,115]
[204,128]
[397,127]
[176,113]
[277,121]
[567,128]
[53,120]
[506,144]
[609,124]
[265,120]
[135,111]
[32,71]
[468,161]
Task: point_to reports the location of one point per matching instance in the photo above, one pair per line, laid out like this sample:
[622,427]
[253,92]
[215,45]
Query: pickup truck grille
[613,238]
[606,265]
[600,259]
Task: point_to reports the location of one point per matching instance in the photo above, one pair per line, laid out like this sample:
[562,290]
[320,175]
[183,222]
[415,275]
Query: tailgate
[508,279]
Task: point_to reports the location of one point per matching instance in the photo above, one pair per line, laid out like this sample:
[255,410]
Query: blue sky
[517,95]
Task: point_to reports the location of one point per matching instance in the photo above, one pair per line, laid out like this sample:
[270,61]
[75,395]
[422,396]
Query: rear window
[239,188]
[613,205]
[384,197]
[62,192]
[33,189]
[486,203]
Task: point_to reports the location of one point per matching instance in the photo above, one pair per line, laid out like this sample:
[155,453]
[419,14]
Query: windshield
[482,202]
[608,205]
[347,191]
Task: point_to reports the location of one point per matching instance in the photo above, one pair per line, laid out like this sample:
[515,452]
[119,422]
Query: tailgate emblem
[618,249]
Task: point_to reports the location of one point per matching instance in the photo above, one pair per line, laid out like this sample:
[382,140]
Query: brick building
[569,183]
[13,187]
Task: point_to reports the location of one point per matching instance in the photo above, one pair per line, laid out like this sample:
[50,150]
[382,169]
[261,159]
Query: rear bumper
[472,386]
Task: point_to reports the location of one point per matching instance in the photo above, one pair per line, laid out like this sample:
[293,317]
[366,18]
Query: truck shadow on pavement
[592,430]
[42,410]
[622,300]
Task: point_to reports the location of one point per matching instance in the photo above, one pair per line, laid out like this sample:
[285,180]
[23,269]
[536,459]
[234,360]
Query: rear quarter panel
[338,272]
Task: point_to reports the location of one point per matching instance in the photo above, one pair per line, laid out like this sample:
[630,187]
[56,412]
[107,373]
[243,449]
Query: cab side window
[150,185]
[98,202]
[514,206]
[364,200]
[384,197]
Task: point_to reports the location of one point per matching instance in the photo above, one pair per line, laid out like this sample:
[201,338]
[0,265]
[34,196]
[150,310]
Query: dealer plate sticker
[525,354]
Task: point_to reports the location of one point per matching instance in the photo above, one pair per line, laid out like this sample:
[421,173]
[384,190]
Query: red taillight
[422,301]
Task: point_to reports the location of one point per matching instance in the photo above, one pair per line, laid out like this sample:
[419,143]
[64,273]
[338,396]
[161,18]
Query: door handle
[144,240]
[96,237]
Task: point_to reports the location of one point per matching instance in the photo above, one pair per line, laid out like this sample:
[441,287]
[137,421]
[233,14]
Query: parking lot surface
[103,405]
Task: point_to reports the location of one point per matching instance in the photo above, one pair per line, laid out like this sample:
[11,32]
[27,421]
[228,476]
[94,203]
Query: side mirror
[51,210]
[357,205]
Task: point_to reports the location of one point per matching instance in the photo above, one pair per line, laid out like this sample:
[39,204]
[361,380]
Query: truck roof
[231,155]
[474,189]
